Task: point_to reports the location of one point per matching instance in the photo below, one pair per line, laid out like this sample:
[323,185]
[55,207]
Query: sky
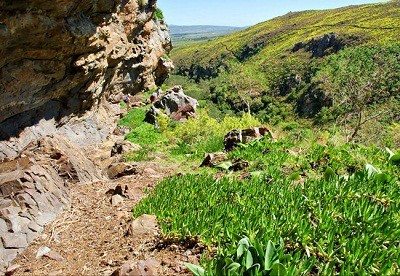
[240,12]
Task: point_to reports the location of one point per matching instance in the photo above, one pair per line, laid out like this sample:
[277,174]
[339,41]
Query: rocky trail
[96,235]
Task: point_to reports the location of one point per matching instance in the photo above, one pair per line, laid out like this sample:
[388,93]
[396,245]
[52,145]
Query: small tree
[245,84]
[357,78]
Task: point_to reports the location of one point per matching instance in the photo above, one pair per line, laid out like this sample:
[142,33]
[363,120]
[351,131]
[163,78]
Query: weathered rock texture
[34,189]
[60,63]
[174,103]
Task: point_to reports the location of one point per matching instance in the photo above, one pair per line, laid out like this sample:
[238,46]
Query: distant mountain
[199,32]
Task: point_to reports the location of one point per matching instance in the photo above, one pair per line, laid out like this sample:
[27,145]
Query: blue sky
[240,12]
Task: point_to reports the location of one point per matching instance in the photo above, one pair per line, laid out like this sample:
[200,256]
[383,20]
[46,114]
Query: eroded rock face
[61,58]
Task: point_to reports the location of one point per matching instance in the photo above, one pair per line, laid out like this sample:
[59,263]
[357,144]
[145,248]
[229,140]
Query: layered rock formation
[60,58]
[60,62]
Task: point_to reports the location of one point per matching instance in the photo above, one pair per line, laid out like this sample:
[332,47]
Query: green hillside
[327,66]
[378,23]
[320,194]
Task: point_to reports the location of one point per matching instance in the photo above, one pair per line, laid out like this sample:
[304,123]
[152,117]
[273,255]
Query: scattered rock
[175,104]
[123,146]
[121,131]
[148,267]
[12,269]
[14,240]
[144,226]
[116,200]
[42,251]
[53,255]
[214,159]
[236,137]
[119,170]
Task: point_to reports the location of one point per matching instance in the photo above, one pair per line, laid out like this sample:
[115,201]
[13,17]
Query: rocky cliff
[61,62]
[59,59]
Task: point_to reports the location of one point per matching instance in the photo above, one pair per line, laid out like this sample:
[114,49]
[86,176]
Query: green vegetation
[158,14]
[328,206]
[332,215]
[190,140]
[322,196]
[258,70]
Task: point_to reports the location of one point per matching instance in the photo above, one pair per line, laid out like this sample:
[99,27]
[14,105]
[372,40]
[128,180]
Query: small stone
[119,170]
[53,255]
[42,251]
[12,269]
[45,218]
[214,159]
[10,254]
[116,200]
[121,147]
[17,223]
[13,240]
[145,225]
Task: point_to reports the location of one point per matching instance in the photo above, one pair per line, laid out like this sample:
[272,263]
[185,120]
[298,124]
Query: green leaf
[395,159]
[329,174]
[195,269]
[270,253]
[294,176]
[382,178]
[243,246]
[278,270]
[249,259]
[233,267]
[391,153]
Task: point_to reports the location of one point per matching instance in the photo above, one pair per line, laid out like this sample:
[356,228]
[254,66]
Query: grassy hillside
[378,23]
[308,203]
[320,196]
[277,71]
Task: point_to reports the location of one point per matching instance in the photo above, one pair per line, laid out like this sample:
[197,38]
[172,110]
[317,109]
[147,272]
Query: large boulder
[242,136]
[175,104]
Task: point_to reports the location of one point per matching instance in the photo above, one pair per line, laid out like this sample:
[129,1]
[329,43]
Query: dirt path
[91,235]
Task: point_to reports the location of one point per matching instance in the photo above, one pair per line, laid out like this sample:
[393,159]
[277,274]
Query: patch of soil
[91,235]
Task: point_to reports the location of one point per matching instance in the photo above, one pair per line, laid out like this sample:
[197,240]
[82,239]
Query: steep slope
[269,40]
[336,66]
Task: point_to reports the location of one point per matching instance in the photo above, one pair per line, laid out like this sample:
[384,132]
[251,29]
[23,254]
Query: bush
[158,14]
